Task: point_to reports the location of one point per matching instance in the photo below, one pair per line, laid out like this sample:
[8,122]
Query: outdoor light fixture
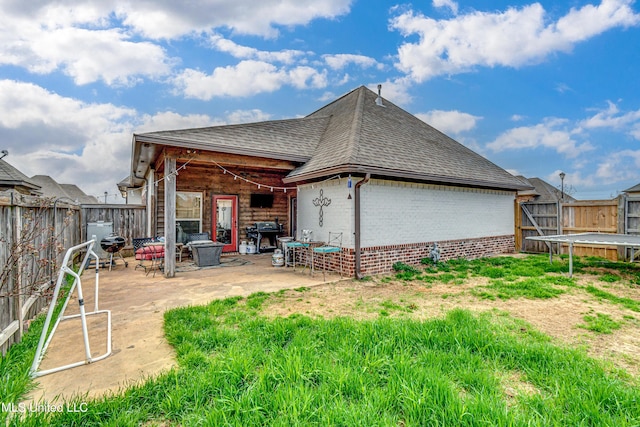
[349,184]
[4,153]
[562,175]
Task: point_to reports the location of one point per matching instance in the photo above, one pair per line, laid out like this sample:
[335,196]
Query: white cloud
[74,41]
[99,40]
[167,120]
[449,122]
[553,134]
[73,141]
[171,19]
[247,116]
[340,61]
[512,38]
[395,90]
[612,118]
[244,52]
[245,79]
[87,144]
[447,3]
[619,167]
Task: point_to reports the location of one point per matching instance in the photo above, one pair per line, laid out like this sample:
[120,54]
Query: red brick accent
[380,259]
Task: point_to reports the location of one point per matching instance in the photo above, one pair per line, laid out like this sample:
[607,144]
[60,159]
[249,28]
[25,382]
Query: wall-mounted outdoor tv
[261,200]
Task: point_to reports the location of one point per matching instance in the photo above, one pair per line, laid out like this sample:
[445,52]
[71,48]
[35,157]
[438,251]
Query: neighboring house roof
[11,177]
[634,189]
[51,188]
[353,134]
[76,193]
[544,191]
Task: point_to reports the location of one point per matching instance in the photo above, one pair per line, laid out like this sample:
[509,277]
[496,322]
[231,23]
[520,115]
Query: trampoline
[602,239]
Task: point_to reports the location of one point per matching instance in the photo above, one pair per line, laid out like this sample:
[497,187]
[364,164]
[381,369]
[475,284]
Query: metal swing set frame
[46,336]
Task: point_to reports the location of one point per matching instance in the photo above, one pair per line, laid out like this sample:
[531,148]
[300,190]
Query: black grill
[265,229]
[112,244]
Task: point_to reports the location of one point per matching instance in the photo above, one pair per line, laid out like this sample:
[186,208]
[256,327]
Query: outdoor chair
[293,246]
[145,250]
[138,244]
[333,246]
[195,237]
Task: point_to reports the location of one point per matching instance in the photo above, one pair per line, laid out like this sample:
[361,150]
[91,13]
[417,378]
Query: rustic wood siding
[210,180]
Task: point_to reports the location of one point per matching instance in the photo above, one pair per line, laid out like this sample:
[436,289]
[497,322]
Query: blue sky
[537,88]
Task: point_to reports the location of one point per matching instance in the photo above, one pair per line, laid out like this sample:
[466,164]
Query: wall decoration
[321,201]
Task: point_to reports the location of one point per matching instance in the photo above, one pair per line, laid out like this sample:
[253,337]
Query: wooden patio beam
[224,159]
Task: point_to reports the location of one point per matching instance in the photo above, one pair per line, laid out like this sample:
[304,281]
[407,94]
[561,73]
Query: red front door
[225,222]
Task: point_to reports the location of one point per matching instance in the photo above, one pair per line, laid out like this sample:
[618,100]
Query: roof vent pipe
[379,98]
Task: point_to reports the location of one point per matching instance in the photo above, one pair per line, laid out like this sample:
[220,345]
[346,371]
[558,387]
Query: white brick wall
[396,213]
[399,213]
[338,216]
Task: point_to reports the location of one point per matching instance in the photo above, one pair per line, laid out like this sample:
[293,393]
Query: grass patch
[539,287]
[237,368]
[600,323]
[629,303]
[15,381]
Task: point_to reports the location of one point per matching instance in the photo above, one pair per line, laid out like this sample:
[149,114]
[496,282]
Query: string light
[257,184]
[235,177]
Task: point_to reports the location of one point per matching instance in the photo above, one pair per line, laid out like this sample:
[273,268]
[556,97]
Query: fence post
[560,218]
[17,298]
[622,223]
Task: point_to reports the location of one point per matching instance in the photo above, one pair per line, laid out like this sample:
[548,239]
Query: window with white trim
[188,214]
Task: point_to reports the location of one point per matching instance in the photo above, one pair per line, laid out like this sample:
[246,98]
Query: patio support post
[170,217]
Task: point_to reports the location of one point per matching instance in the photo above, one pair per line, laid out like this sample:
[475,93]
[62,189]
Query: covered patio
[137,302]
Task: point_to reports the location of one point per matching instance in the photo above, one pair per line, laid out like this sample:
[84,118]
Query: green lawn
[239,367]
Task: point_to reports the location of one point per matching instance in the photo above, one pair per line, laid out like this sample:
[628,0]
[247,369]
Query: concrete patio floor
[137,302]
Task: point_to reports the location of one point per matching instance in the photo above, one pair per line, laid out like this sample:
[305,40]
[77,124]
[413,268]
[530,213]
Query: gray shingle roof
[388,141]
[544,191]
[350,135]
[634,189]
[12,177]
[51,188]
[293,139]
[75,193]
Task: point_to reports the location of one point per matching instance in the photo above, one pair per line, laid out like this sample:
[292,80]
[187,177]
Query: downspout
[357,224]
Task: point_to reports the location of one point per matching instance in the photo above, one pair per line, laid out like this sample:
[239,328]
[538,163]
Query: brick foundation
[380,259]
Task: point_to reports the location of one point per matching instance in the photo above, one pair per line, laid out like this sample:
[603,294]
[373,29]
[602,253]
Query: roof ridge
[231,125]
[356,126]
[315,113]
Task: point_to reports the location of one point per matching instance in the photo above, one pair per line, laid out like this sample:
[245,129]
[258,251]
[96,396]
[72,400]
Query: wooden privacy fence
[620,215]
[35,232]
[33,235]
[129,221]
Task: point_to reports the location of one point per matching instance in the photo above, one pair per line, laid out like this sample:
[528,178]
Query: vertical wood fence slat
[620,215]
[59,226]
